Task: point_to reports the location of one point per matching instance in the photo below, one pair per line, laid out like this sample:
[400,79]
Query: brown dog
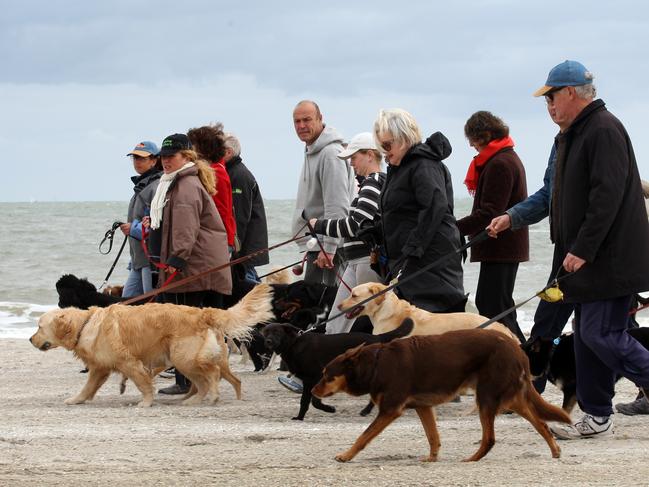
[139,340]
[387,312]
[422,372]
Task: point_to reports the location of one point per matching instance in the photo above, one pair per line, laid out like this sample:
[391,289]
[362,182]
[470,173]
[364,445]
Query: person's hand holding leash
[324,260]
[499,224]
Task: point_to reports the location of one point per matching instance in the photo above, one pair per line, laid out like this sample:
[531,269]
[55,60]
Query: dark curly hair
[482,127]
[208,141]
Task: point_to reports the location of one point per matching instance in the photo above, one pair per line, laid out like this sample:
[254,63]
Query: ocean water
[42,241]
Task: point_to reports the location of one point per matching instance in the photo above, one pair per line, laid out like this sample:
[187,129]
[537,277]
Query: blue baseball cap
[568,73]
[144,149]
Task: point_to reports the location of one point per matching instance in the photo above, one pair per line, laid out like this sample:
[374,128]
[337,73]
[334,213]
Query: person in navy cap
[595,202]
[147,166]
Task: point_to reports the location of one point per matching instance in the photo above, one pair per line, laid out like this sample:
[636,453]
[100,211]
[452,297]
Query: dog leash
[329,261]
[541,294]
[188,279]
[281,269]
[480,237]
[109,236]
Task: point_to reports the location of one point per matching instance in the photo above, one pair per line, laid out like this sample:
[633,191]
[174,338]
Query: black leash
[552,283]
[480,237]
[281,269]
[109,236]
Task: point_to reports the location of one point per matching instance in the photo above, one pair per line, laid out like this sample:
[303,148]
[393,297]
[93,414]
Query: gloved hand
[370,233]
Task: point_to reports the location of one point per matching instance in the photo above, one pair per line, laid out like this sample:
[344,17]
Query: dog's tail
[237,321]
[405,329]
[544,409]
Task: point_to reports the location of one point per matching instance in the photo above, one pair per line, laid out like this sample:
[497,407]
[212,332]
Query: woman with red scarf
[496,180]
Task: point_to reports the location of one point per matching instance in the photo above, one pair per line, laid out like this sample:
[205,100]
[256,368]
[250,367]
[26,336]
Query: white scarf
[159,199]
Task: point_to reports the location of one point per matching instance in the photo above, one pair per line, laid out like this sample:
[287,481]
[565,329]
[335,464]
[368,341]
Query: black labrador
[306,354]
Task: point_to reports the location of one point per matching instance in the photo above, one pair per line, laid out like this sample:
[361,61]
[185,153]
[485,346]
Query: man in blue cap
[594,201]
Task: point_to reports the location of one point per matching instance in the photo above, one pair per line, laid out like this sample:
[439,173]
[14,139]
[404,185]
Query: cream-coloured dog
[387,312]
[138,341]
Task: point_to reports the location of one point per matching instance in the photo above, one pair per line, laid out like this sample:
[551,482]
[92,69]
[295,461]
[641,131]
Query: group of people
[196,205]
[403,221]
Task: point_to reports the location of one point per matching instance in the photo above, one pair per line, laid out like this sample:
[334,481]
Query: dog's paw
[145,403]
[74,400]
[328,409]
[297,418]
[429,458]
[344,457]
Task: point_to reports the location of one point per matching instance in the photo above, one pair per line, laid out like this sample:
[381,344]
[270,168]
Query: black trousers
[494,293]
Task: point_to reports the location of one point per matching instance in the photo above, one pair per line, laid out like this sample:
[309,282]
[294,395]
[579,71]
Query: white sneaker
[588,426]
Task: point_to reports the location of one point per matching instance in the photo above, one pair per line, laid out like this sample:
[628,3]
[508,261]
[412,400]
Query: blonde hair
[206,176]
[399,124]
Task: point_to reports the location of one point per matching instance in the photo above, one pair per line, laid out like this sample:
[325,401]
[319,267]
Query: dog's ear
[376,288]
[532,345]
[64,329]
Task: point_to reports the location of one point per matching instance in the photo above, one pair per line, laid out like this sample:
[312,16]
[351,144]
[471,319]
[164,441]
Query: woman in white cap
[365,159]
[147,167]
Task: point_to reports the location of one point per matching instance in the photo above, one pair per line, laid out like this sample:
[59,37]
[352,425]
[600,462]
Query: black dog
[555,359]
[306,354]
[300,303]
[80,293]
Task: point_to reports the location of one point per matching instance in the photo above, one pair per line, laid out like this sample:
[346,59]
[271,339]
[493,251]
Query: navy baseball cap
[568,73]
[144,149]
[174,143]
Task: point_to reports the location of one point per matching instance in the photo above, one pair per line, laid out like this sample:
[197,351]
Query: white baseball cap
[362,141]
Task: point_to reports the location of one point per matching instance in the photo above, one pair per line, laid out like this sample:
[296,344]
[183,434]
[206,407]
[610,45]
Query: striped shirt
[365,207]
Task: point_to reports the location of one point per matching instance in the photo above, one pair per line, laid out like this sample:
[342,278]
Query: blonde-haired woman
[417,222]
[192,237]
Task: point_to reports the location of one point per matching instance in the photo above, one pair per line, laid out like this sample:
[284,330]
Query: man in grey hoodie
[325,189]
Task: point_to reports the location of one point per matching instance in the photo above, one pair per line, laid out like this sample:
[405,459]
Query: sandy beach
[254,442]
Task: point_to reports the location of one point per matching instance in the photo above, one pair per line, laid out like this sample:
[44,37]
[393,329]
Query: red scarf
[473,174]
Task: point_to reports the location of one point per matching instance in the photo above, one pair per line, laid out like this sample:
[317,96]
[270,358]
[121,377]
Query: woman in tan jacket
[192,237]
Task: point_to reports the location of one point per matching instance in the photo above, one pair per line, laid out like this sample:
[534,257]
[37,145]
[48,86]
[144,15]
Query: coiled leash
[480,237]
[108,236]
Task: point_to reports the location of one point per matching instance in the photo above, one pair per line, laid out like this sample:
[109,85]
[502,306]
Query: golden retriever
[387,312]
[138,341]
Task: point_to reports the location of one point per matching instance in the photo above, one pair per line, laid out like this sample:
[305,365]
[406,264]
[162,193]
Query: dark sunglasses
[549,96]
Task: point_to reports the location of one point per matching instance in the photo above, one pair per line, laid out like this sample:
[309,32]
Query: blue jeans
[139,281]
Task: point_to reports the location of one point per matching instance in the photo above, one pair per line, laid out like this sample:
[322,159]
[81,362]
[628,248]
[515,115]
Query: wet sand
[254,442]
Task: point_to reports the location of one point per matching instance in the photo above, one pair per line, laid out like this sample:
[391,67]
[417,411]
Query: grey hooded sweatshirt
[326,186]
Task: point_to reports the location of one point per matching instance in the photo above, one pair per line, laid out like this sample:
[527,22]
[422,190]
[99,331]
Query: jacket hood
[436,147]
[329,135]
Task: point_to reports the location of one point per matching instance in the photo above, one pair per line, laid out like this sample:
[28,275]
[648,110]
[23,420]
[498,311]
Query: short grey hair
[399,124]
[231,142]
[587,92]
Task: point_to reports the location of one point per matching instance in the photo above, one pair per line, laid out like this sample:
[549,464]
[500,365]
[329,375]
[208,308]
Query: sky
[81,83]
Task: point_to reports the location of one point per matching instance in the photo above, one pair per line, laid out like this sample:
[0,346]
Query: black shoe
[174,389]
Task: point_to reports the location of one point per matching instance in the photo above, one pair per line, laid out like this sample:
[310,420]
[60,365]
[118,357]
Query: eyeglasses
[549,96]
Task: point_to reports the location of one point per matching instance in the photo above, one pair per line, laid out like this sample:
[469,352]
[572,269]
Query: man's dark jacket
[418,225]
[249,211]
[598,210]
